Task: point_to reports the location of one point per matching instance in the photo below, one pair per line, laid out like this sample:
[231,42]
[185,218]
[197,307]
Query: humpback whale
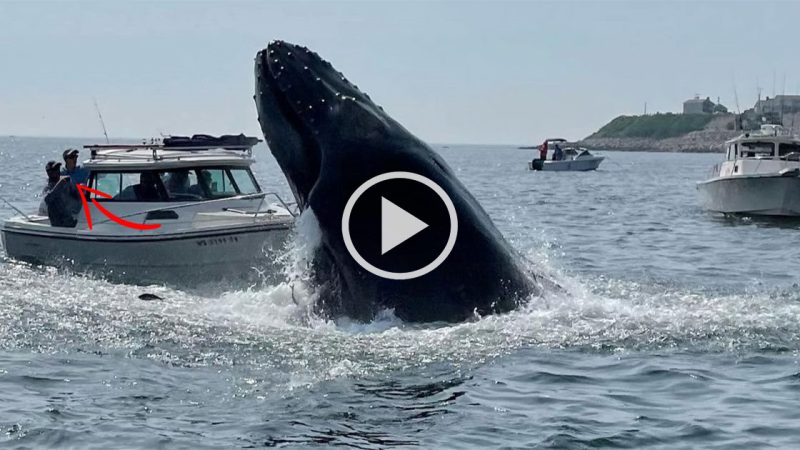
[328,138]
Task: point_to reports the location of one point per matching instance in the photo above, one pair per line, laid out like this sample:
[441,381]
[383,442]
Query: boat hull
[176,258]
[765,195]
[575,165]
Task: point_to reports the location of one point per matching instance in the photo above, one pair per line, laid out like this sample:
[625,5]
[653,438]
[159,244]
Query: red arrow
[109,214]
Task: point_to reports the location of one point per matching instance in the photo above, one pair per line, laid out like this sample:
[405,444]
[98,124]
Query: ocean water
[677,329]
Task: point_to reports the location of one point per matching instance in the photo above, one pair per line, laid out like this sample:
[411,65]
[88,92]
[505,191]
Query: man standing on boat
[77,173]
[61,199]
[558,154]
[53,170]
[543,151]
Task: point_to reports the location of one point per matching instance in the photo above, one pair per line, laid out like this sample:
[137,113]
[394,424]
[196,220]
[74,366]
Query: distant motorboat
[760,175]
[573,159]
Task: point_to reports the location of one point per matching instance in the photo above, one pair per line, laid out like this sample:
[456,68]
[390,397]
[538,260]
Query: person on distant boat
[53,170]
[77,173]
[543,151]
[558,154]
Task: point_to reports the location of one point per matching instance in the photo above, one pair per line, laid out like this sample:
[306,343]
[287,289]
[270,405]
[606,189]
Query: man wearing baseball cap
[77,173]
[53,170]
[61,198]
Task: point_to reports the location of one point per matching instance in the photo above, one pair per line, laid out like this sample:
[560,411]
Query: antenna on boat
[736,99]
[102,122]
[783,96]
[773,83]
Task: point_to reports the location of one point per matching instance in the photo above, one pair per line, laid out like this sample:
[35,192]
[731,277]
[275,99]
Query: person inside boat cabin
[558,154]
[178,182]
[77,173]
[146,191]
[53,170]
[205,180]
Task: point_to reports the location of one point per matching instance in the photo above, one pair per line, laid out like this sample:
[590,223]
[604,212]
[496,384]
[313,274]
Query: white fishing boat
[564,158]
[213,219]
[760,175]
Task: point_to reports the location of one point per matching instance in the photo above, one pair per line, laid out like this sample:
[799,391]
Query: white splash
[273,329]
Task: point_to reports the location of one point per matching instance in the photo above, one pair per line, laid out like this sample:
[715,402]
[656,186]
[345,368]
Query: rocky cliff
[670,133]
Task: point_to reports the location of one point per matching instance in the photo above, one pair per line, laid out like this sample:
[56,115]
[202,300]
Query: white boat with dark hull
[574,159]
[215,222]
[760,175]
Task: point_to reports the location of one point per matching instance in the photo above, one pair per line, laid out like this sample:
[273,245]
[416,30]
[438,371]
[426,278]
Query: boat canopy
[174,151]
[199,141]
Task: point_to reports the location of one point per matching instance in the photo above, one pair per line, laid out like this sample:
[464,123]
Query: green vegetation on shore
[655,126]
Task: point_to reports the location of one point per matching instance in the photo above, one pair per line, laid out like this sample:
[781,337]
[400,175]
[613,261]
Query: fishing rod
[14,208]
[102,122]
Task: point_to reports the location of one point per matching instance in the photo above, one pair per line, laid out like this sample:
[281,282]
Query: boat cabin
[769,150]
[551,142]
[769,143]
[173,171]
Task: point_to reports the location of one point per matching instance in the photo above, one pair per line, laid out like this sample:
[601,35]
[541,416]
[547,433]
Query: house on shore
[697,105]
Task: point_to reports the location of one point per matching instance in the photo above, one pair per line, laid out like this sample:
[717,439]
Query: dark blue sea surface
[677,328]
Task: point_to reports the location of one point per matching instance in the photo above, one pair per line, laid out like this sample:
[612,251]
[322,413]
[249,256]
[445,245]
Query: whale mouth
[288,133]
[303,100]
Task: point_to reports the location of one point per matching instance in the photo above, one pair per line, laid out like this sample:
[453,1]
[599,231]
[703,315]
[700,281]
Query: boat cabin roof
[172,153]
[767,133]
[761,146]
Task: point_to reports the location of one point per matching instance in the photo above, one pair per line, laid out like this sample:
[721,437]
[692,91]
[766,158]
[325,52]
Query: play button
[399,225]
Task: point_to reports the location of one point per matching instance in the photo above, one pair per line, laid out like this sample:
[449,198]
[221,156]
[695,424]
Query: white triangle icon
[397,225]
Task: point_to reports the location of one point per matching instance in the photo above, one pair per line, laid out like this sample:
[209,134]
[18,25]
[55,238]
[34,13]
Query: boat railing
[124,151]
[715,171]
[261,195]
[287,206]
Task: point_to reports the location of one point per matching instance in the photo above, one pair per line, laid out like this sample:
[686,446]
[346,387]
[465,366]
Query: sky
[479,72]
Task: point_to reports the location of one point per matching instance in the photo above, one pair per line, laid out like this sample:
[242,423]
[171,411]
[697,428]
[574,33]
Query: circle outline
[451,239]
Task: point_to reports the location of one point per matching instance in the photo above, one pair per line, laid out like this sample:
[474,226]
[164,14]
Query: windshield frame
[164,196]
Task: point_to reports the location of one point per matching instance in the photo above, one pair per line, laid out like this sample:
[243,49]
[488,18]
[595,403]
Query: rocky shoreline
[694,142]
[709,140]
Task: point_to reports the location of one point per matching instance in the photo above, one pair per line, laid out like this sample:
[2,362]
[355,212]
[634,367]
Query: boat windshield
[756,149]
[789,151]
[190,184]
